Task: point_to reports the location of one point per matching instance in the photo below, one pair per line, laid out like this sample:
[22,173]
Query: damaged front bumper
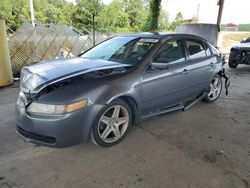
[224,75]
[54,130]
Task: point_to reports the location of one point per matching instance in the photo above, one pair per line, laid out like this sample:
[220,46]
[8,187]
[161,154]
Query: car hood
[36,77]
[242,46]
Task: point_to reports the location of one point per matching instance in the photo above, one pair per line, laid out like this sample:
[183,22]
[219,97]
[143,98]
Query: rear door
[201,65]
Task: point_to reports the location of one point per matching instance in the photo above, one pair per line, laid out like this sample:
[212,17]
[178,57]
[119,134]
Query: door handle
[185,71]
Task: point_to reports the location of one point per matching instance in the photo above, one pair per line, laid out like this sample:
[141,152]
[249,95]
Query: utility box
[209,32]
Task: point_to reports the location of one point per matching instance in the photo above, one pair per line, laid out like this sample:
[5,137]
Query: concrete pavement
[207,146]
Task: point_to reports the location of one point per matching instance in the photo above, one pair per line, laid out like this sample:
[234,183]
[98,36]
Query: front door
[165,82]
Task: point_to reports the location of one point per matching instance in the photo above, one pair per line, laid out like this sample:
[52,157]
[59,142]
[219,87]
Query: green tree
[119,15]
[164,20]
[152,23]
[13,11]
[54,11]
[84,13]
[137,13]
[50,14]
[178,21]
[123,15]
[67,11]
[46,11]
[113,18]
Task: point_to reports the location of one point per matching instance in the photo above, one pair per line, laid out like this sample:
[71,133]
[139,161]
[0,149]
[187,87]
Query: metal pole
[93,29]
[198,11]
[221,5]
[32,13]
[5,65]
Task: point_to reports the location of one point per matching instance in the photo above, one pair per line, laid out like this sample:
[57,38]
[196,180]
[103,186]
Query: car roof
[161,35]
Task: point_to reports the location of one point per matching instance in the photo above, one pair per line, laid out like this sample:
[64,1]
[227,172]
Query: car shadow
[241,69]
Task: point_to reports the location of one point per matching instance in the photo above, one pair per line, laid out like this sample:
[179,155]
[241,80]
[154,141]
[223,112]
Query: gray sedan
[98,95]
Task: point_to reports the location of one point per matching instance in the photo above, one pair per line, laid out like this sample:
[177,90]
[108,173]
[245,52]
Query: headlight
[39,108]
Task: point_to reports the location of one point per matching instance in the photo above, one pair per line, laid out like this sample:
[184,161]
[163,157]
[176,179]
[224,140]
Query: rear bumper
[224,75]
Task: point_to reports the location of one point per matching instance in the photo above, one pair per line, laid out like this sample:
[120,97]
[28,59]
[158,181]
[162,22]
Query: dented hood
[36,77]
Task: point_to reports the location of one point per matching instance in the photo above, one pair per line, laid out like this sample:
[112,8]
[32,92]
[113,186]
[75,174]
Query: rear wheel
[215,89]
[112,124]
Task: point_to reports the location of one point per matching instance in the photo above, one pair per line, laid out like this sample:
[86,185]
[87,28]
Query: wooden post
[5,65]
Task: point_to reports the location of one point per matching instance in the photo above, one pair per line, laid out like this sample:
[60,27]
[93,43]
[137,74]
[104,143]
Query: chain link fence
[31,44]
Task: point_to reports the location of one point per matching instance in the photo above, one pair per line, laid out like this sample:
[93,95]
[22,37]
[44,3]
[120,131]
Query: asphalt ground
[206,146]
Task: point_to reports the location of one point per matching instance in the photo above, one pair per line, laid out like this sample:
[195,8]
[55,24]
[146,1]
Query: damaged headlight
[39,108]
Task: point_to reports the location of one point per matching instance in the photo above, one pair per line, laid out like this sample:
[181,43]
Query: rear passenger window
[171,52]
[195,49]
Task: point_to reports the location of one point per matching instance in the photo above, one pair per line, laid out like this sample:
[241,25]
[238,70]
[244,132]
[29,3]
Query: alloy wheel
[215,88]
[113,123]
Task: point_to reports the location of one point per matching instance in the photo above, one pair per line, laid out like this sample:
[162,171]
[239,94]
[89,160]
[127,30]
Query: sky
[235,11]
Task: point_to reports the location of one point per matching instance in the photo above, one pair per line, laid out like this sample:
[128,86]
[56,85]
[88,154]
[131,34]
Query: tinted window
[129,50]
[208,51]
[195,49]
[171,52]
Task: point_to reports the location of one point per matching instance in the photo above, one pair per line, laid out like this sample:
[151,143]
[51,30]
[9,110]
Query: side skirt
[194,102]
[176,107]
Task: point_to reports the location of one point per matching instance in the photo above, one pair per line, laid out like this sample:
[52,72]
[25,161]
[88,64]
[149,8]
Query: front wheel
[215,89]
[112,124]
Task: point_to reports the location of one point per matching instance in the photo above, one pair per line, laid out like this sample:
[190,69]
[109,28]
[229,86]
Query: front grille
[36,137]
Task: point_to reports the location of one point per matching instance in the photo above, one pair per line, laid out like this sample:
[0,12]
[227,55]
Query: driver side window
[171,51]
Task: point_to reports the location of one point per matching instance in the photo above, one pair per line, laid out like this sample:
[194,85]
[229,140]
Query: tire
[232,64]
[215,88]
[112,124]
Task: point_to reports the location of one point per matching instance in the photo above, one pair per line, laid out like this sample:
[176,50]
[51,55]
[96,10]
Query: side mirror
[160,66]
